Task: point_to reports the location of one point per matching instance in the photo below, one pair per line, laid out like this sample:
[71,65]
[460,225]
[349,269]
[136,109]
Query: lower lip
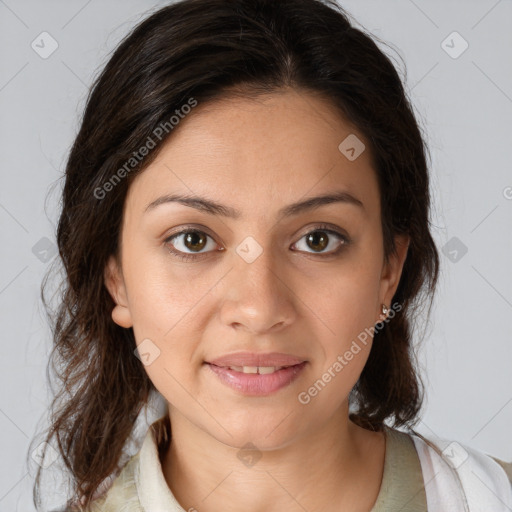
[255,384]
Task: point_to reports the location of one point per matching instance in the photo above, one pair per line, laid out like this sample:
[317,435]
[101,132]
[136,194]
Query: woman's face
[262,277]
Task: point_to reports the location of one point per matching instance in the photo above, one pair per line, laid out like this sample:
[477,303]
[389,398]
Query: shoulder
[460,476]
[121,495]
[128,489]
[507,467]
[402,485]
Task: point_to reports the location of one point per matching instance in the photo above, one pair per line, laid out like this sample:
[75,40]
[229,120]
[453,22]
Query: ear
[114,282]
[391,273]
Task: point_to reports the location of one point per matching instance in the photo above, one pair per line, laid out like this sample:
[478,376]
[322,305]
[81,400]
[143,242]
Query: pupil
[319,237]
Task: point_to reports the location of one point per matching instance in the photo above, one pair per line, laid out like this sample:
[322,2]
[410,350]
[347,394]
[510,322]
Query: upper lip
[255,359]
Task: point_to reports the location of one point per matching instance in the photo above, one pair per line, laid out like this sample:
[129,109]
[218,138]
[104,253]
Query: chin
[266,435]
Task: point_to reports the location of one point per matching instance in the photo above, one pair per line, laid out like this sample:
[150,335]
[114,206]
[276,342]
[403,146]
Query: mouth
[261,370]
[257,380]
[241,360]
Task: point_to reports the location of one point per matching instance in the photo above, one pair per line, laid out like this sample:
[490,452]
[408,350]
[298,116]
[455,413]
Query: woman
[245,232]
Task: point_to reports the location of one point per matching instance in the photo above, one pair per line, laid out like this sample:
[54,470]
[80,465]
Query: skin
[259,156]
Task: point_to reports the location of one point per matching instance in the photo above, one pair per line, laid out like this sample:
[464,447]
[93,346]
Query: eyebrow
[214,208]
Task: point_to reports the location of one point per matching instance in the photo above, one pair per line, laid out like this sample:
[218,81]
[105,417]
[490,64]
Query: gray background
[464,105]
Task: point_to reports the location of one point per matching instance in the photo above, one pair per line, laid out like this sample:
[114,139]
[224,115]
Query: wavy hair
[210,50]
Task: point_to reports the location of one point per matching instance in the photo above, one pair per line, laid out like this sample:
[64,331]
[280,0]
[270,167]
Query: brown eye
[320,239]
[189,244]
[195,241]
[317,240]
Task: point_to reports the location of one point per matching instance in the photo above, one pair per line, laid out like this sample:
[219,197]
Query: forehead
[259,154]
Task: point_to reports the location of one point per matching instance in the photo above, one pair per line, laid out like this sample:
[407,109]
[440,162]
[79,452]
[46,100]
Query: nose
[258,294]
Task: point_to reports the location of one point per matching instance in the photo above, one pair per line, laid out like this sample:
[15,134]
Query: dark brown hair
[210,50]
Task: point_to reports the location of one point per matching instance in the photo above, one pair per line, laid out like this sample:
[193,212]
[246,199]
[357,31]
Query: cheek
[162,293]
[346,346]
[344,303]
[169,306]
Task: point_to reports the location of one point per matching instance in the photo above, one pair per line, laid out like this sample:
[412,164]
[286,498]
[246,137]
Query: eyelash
[190,256]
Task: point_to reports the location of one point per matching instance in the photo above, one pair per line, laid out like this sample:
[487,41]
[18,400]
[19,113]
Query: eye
[191,244]
[321,238]
[189,239]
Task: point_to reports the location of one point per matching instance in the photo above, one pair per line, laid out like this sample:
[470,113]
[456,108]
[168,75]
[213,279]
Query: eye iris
[319,237]
[192,238]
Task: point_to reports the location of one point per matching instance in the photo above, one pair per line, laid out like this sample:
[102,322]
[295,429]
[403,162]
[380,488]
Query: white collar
[460,478]
[152,489]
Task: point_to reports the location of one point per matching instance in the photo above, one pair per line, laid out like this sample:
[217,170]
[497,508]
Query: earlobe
[115,285]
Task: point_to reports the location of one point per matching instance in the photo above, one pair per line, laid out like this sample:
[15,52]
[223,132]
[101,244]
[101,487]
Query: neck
[205,474]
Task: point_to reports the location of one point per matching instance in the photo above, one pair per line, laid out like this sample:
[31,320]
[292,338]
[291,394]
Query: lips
[248,361]
[262,370]
[257,384]
[256,374]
